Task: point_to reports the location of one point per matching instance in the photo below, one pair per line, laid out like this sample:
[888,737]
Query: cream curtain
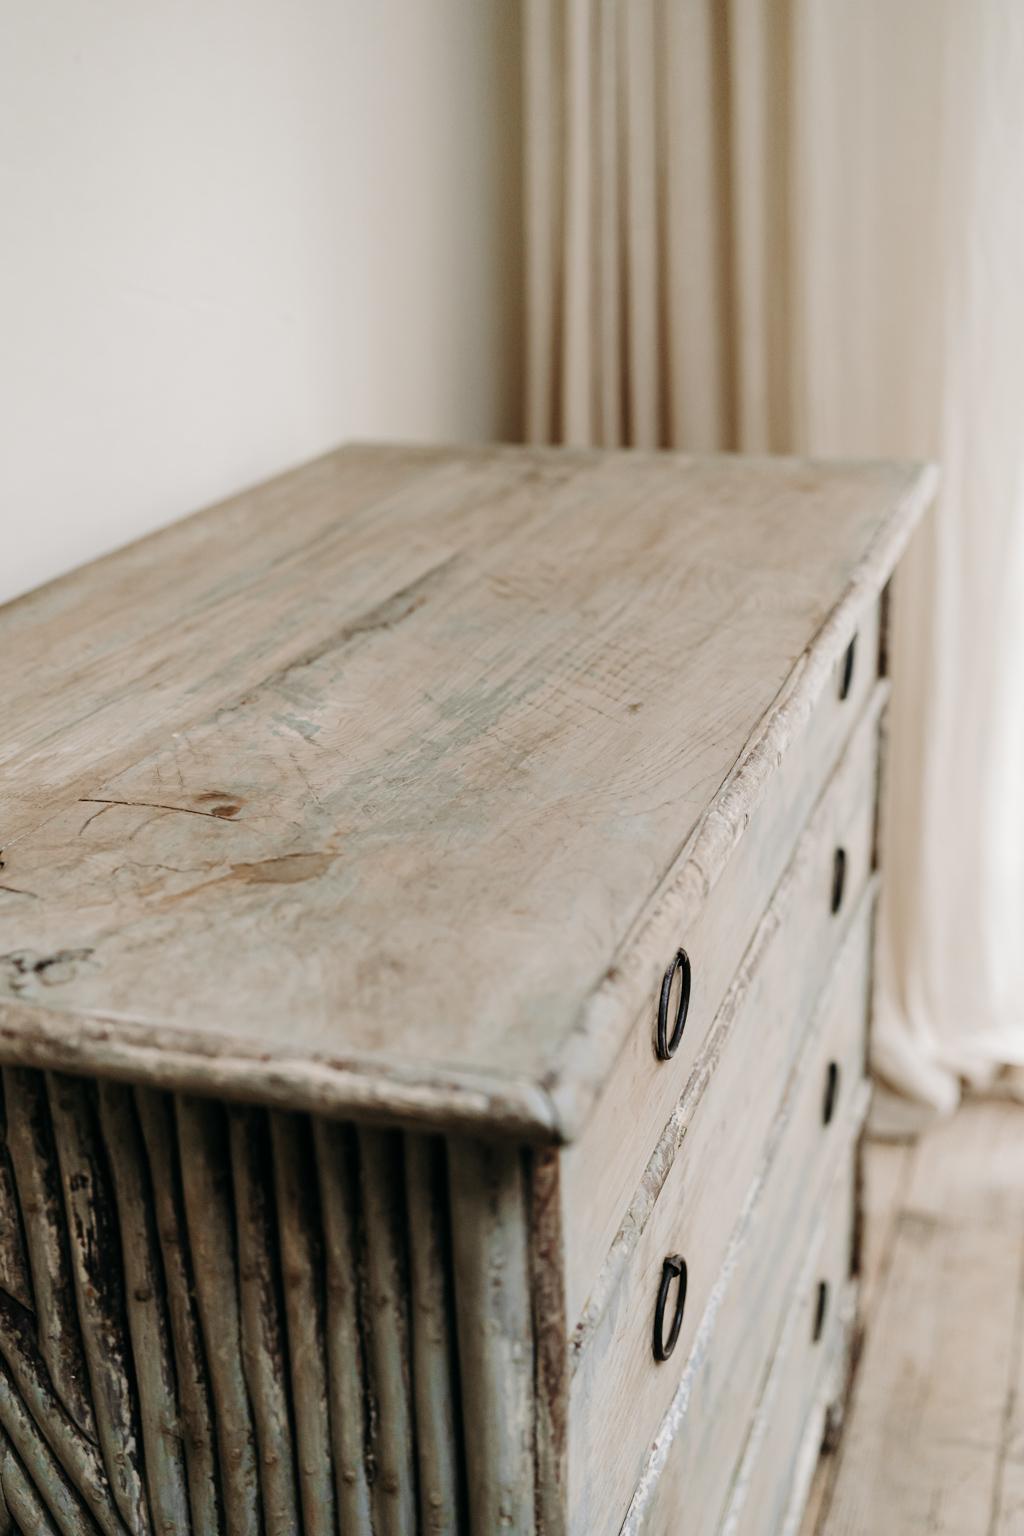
[798,225]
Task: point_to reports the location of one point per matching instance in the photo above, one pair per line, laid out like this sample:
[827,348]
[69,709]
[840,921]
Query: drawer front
[601,1171]
[619,1393]
[699,1445]
[806,1375]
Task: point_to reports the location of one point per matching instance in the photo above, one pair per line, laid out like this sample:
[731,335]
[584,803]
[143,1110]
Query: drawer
[690,1200]
[601,1171]
[807,1375]
[699,1444]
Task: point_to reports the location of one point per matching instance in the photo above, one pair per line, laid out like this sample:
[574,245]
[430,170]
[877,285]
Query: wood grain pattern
[1008,1498]
[92,1235]
[603,1171]
[41,1467]
[434,1360]
[692,1194]
[156,1118]
[885,1172]
[492,1300]
[388,1353]
[932,1438]
[78,1456]
[264,1359]
[347,831]
[22,1503]
[34,1158]
[288,1325]
[206,1185]
[337,1167]
[298,1203]
[6,1519]
[148,1321]
[395,685]
[14,1271]
[548,1261]
[698,1445]
[806,1375]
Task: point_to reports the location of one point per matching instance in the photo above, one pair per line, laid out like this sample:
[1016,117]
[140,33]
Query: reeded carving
[220,1319]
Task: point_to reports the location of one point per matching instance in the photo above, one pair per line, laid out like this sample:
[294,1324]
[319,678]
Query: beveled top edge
[552,1107]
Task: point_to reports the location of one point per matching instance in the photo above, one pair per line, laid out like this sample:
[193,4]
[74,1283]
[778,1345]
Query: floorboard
[934,1438]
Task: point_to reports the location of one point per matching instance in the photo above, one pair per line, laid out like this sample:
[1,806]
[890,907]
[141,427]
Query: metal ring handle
[820,1311]
[668,1045]
[838,879]
[674,1268]
[828,1108]
[846,675]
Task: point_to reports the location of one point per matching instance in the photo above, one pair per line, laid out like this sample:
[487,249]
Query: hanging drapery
[798,226]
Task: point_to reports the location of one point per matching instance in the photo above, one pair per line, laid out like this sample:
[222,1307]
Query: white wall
[234,233]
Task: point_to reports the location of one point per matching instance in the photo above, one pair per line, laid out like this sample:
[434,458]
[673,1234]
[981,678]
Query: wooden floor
[934,1437]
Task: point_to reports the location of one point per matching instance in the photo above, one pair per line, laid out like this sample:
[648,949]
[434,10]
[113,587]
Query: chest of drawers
[435,973]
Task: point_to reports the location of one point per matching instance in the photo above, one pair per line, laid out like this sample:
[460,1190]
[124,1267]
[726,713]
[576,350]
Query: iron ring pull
[846,674]
[668,1045]
[828,1108]
[674,1268]
[838,879]
[820,1312]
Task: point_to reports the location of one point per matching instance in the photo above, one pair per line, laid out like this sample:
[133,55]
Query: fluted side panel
[219,1320]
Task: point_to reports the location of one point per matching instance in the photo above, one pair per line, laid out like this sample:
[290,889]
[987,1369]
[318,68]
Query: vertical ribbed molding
[495,1333]
[224,1320]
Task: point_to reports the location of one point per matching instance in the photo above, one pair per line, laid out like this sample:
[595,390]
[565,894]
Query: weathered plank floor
[934,1440]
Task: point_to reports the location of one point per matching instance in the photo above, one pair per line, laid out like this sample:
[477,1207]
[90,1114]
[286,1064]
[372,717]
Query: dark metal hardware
[820,1311]
[674,1268]
[828,1109]
[838,879]
[668,1045]
[846,675]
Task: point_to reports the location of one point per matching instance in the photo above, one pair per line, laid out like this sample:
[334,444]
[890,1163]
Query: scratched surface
[352,792]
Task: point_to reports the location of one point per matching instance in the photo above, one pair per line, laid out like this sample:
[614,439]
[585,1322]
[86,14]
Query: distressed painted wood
[99,1292]
[805,1376]
[15,1281]
[198,1433]
[337,1169]
[548,1260]
[492,1295]
[295,1195]
[886,1170]
[603,1170]
[435,1364]
[695,1187]
[388,1350]
[30,1389]
[286,1325]
[695,1448]
[346,832]
[22,1502]
[34,1158]
[264,1361]
[442,684]
[145,1304]
[206,1183]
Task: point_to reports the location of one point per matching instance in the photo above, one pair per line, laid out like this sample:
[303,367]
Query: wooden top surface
[350,792]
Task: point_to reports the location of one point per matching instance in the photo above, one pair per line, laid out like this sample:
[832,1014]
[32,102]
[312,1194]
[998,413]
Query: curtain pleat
[797,226]
[611,417]
[543,101]
[640,225]
[698,336]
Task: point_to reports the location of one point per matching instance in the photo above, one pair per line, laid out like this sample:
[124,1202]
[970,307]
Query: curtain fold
[798,226]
